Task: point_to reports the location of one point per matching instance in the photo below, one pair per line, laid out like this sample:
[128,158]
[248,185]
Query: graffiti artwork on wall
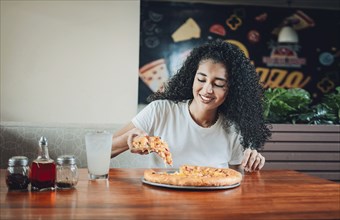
[168,32]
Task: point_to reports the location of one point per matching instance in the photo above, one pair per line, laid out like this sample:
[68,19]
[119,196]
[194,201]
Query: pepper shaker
[17,177]
[67,172]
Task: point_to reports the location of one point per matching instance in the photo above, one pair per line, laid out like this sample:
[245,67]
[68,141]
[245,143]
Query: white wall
[69,61]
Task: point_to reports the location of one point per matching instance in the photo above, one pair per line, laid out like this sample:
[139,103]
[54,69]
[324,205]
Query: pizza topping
[202,171]
[218,29]
[153,144]
[197,172]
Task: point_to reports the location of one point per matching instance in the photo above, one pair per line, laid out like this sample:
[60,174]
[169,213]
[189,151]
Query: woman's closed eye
[217,83]
[220,85]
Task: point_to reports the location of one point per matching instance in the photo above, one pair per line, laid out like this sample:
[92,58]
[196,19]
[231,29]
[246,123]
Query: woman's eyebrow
[203,74]
[217,78]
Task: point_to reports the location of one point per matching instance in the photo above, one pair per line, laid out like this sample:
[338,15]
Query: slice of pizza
[153,144]
[154,74]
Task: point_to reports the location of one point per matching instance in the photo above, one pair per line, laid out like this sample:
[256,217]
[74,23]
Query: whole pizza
[189,175]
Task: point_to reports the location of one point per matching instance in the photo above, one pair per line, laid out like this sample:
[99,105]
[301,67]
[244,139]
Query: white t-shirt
[188,142]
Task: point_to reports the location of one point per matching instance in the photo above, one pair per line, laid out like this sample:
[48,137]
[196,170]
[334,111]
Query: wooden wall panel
[313,149]
[302,146]
[302,156]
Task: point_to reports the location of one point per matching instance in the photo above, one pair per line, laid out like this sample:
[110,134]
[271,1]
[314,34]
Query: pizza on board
[189,175]
[153,144]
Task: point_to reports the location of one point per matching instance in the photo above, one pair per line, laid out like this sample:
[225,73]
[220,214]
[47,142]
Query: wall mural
[168,32]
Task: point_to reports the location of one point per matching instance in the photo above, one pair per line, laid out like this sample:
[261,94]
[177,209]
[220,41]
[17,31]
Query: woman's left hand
[252,160]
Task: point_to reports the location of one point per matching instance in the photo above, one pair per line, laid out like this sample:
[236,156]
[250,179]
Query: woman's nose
[208,88]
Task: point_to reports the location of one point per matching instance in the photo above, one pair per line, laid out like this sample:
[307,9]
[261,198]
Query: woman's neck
[203,118]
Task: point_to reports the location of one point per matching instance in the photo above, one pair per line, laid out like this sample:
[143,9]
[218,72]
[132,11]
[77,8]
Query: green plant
[332,101]
[294,106]
[281,104]
[316,114]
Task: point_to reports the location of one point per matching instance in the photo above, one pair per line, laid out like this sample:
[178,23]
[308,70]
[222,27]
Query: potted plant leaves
[294,106]
[281,104]
[325,112]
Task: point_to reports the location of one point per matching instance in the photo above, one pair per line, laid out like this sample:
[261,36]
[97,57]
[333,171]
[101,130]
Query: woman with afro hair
[209,113]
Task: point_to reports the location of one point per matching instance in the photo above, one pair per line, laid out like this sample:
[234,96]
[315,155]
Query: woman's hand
[252,160]
[132,134]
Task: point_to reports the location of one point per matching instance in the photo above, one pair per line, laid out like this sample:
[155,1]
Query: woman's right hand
[122,139]
[135,132]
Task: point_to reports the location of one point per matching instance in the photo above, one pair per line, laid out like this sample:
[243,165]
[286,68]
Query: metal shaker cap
[66,160]
[18,160]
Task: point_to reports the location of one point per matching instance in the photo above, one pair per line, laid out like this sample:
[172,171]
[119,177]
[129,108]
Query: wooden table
[261,195]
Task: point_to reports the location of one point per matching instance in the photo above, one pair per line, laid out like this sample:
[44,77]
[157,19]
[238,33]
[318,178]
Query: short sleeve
[237,151]
[145,119]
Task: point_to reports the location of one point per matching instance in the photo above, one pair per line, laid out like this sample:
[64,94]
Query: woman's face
[210,86]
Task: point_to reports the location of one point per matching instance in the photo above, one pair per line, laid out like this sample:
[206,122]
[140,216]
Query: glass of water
[98,151]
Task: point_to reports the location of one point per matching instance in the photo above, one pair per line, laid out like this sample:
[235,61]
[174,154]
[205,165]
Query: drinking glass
[98,151]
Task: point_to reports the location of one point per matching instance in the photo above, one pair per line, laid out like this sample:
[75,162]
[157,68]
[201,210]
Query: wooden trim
[301,146]
[305,137]
[302,156]
[305,128]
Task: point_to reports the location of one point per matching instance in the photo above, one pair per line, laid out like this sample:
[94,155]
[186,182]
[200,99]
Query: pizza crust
[198,177]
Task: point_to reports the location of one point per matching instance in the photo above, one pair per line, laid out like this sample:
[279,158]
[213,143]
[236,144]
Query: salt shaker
[67,172]
[17,177]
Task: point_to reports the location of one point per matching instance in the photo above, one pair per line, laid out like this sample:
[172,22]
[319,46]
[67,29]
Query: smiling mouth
[206,99]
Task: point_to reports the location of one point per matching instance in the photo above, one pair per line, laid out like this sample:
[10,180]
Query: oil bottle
[43,169]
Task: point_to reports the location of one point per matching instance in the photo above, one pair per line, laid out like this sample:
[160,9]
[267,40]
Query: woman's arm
[122,138]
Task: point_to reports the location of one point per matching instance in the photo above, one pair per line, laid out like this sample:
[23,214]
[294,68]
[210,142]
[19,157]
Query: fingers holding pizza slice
[153,144]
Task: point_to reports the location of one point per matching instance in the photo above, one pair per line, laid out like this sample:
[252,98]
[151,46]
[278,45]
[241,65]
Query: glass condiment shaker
[43,169]
[17,177]
[67,172]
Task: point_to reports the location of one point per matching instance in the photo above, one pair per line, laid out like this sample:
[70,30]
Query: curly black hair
[243,105]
